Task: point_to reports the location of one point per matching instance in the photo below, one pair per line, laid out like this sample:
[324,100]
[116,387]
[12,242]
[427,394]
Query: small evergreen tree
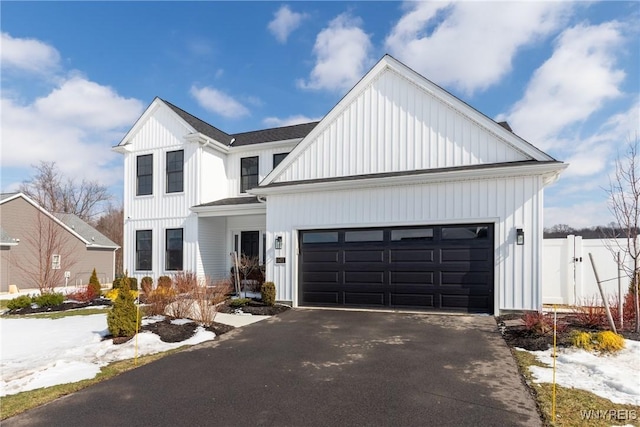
[94,284]
[123,319]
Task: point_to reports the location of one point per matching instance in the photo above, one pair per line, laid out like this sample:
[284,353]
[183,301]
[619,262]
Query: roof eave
[549,171]
[229,210]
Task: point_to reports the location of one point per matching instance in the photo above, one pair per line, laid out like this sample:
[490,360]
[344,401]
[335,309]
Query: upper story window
[173,246]
[175,171]
[144,174]
[248,173]
[277,158]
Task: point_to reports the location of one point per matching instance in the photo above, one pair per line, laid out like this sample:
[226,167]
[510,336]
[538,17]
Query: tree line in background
[89,200]
[597,232]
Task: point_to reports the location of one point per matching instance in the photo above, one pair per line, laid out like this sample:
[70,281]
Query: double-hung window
[144,175]
[143,250]
[173,245]
[175,171]
[248,173]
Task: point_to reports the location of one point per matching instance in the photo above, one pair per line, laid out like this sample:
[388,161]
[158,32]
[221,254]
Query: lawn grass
[60,314]
[17,403]
[571,403]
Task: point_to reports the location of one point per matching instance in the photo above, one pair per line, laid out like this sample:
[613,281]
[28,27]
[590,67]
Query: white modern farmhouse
[401,197]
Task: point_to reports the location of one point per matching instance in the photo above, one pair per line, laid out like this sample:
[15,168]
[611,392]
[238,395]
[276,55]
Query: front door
[250,243]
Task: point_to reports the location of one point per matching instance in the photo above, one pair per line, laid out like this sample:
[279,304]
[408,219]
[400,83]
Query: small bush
[185,281]
[133,283]
[608,341]
[146,284]
[94,284]
[590,315]
[48,299]
[123,319]
[85,294]
[239,302]
[268,293]
[158,299]
[582,340]
[164,282]
[19,302]
[537,322]
[112,294]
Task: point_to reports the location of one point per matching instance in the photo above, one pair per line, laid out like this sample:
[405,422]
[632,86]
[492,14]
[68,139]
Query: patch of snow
[153,319]
[181,321]
[612,376]
[37,353]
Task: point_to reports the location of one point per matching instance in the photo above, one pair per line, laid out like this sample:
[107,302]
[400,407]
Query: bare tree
[57,193]
[50,253]
[624,204]
[111,224]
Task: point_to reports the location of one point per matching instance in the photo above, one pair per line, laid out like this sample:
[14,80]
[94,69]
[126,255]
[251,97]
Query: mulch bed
[254,307]
[516,335]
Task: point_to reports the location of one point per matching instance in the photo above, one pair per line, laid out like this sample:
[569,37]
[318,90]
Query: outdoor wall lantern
[278,243]
[519,236]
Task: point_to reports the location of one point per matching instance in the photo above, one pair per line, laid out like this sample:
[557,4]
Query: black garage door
[445,267]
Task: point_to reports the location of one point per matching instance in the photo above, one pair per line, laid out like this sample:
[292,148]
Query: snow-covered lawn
[615,377]
[38,353]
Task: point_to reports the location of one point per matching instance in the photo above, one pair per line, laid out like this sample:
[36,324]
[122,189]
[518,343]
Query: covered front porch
[236,224]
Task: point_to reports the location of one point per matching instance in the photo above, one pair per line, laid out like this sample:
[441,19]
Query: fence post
[620,296]
[604,299]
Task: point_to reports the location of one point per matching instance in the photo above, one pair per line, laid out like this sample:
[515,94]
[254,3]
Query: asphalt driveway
[317,368]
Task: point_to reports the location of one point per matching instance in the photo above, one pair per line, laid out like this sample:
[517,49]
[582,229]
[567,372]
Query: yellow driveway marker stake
[553,391]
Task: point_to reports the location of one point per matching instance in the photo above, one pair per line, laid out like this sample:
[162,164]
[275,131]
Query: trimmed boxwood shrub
[146,284]
[164,282]
[239,302]
[268,293]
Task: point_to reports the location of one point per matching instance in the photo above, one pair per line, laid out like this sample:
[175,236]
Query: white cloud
[571,85]
[75,125]
[580,215]
[285,22]
[342,55]
[470,45]
[289,121]
[27,54]
[218,102]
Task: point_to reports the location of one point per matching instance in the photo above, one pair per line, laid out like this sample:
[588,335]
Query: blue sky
[76,75]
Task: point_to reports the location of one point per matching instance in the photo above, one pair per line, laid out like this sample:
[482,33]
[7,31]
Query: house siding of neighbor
[402,196]
[82,248]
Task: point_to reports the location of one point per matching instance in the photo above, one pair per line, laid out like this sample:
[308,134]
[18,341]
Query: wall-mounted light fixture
[519,236]
[278,242]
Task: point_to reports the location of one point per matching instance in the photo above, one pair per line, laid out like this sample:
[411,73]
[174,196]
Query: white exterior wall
[265,164]
[508,203]
[392,126]
[214,247]
[567,273]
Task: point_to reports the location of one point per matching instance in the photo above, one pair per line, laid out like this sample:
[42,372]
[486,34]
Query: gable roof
[521,150]
[200,125]
[87,232]
[274,134]
[70,222]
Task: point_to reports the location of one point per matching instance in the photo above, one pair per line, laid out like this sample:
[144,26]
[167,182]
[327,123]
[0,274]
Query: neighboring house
[34,241]
[402,196]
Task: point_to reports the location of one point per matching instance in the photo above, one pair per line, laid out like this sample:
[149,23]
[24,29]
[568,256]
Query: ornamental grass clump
[123,320]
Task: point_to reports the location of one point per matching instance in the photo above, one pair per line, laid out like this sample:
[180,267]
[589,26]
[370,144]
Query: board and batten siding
[394,125]
[214,248]
[265,164]
[508,203]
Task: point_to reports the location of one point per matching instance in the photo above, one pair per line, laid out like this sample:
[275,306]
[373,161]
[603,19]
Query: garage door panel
[471,278]
[411,255]
[470,303]
[402,278]
[321,256]
[321,297]
[464,254]
[371,255]
[320,277]
[412,300]
[373,277]
[364,298]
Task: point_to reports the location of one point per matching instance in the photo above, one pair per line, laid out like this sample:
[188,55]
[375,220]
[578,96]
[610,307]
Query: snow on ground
[38,353]
[614,376]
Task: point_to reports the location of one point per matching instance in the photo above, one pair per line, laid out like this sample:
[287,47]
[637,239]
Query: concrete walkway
[317,368]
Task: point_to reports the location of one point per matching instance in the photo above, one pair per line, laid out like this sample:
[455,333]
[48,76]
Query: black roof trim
[410,173]
[247,200]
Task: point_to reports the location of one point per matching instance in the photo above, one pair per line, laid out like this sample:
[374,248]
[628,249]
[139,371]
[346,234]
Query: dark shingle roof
[200,125]
[232,201]
[274,134]
[87,232]
[244,138]
[4,196]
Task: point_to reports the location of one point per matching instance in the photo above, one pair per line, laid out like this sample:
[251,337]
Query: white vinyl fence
[567,274]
